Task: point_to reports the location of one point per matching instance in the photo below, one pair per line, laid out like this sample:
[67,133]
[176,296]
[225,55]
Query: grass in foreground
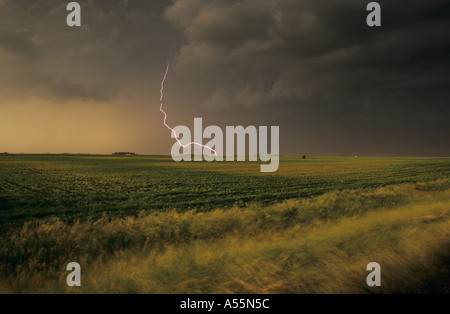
[316,245]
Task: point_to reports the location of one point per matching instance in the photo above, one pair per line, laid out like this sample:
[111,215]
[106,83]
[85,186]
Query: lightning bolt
[165,117]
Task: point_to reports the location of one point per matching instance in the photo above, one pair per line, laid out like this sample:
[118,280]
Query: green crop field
[145,224]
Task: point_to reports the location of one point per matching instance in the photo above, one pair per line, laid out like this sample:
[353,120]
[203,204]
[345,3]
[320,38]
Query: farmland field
[146,224]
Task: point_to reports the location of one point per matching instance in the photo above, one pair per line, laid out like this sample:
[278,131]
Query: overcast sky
[332,84]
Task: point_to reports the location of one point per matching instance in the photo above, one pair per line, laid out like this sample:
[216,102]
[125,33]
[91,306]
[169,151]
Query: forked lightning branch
[213,150]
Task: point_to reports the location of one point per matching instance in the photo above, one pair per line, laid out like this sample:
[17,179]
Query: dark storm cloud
[19,42]
[259,50]
[313,67]
[71,90]
[118,42]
